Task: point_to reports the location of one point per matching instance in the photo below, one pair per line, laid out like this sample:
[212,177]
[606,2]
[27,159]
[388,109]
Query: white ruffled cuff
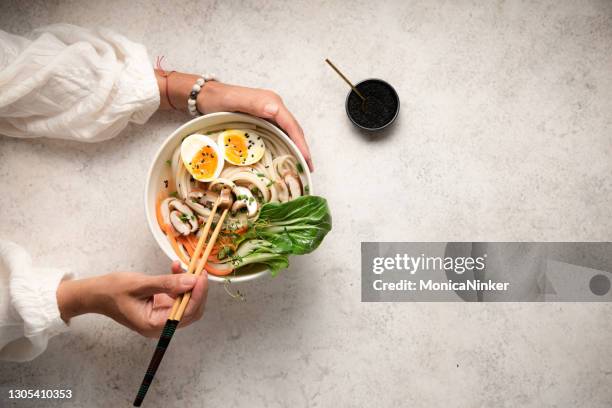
[47,302]
[137,89]
[33,302]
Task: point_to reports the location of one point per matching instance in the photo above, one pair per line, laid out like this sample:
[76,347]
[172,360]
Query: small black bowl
[381,107]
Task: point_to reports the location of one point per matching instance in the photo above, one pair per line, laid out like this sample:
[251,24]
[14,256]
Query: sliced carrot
[175,246]
[167,229]
[217,272]
[225,241]
[187,245]
[190,248]
[160,221]
[193,240]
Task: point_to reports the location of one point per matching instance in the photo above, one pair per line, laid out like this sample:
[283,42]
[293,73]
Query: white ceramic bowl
[165,151]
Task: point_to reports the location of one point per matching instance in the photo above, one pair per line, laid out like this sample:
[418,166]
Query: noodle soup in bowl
[279,175]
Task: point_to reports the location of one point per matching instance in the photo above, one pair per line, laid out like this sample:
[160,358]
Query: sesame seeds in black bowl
[380,108]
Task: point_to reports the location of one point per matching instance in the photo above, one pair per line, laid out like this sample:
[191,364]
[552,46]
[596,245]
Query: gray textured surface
[504,134]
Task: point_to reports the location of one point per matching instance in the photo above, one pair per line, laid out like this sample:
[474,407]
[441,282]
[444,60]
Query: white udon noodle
[267,175]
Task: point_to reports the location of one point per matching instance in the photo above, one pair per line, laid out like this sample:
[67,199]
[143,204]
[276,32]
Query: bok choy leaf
[293,228]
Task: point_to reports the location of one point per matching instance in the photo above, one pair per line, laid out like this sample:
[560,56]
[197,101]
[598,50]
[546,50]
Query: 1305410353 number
[39,394]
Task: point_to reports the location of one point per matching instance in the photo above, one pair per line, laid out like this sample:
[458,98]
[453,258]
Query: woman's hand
[137,301]
[219,97]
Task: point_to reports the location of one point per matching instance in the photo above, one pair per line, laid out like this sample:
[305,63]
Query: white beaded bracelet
[195,91]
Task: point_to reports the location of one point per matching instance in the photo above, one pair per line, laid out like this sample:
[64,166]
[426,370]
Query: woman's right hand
[216,96]
[135,300]
[219,97]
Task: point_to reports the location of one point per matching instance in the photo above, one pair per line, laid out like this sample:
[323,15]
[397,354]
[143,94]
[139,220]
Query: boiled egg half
[241,147]
[202,157]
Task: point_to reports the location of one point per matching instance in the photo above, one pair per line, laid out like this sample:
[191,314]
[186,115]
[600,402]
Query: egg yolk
[204,163]
[236,150]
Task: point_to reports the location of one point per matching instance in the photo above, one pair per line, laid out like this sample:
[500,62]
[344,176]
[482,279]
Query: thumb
[170,284]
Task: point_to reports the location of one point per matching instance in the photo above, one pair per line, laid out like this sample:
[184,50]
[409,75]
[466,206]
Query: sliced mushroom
[225,199]
[238,204]
[194,223]
[194,202]
[250,178]
[245,196]
[185,210]
[209,198]
[294,185]
[220,183]
[198,208]
[176,204]
[165,210]
[196,194]
[182,227]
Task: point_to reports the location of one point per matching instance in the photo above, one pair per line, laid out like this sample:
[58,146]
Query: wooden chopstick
[196,254]
[180,304]
[213,238]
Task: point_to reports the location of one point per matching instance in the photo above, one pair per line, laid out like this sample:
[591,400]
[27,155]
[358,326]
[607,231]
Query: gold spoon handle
[345,79]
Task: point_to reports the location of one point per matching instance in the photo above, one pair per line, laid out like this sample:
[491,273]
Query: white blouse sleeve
[68,82]
[29,315]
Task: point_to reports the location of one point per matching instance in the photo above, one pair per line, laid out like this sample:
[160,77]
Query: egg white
[255,145]
[192,145]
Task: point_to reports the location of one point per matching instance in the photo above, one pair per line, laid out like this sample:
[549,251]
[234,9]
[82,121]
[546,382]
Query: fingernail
[188,280]
[271,109]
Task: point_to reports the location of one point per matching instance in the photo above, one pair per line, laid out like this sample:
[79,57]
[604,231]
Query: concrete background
[504,134]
